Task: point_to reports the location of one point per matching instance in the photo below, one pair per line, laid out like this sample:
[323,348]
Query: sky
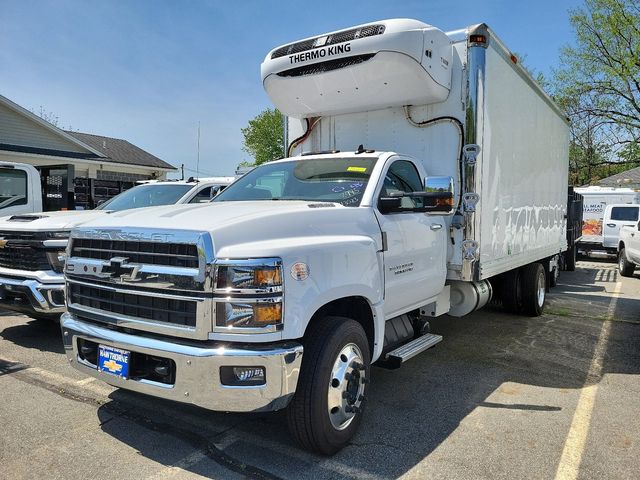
[151,71]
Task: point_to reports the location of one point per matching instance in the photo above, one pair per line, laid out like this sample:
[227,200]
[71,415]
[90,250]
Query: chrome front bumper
[30,295]
[197,375]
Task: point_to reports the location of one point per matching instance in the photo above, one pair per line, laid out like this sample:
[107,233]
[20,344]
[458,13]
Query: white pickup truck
[32,246]
[629,249]
[284,290]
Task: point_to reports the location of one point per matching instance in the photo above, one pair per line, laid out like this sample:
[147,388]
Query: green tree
[263,137]
[598,84]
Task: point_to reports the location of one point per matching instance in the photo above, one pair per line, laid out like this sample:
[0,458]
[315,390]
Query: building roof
[628,178]
[120,151]
[78,145]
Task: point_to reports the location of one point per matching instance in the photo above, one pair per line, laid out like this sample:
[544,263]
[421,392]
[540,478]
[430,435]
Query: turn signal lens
[267,277]
[267,314]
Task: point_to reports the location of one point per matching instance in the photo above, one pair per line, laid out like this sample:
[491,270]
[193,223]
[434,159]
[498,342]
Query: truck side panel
[523,171]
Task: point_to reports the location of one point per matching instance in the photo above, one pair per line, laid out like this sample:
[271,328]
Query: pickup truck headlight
[249,295]
[56,260]
[249,278]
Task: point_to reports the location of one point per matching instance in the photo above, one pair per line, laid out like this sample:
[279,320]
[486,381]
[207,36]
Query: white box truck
[594,226]
[436,175]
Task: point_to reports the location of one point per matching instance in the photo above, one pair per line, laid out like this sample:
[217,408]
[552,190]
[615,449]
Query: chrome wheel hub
[346,386]
[541,288]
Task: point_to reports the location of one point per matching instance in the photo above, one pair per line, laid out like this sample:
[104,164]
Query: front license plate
[113,360]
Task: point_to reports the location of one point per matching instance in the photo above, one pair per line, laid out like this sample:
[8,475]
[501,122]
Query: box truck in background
[595,201]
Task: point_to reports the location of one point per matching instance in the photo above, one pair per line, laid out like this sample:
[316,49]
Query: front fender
[339,266]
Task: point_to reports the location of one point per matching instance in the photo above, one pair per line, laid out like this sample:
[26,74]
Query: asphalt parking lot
[501,397]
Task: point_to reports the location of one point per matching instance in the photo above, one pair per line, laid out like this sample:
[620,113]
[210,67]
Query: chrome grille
[149,253]
[24,251]
[338,37]
[158,281]
[149,307]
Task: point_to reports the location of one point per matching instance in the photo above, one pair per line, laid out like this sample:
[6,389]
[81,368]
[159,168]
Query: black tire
[512,291]
[553,276]
[570,257]
[534,292]
[308,413]
[625,267]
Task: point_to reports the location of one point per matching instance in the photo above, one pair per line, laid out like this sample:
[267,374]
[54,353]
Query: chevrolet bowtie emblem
[112,366]
[3,242]
[117,270]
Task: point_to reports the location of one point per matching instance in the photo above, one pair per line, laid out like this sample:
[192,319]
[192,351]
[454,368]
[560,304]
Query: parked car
[32,246]
[629,249]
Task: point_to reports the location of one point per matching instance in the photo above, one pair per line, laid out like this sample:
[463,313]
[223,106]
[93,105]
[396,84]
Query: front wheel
[625,267]
[327,407]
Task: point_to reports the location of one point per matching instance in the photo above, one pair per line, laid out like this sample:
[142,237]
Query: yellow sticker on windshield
[357,169]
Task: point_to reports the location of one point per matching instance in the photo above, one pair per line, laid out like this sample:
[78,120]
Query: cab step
[395,358]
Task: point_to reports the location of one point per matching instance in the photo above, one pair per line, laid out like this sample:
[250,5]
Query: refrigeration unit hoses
[460,127]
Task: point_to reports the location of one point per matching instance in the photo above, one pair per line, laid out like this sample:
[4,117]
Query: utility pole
[182,167]
[198,162]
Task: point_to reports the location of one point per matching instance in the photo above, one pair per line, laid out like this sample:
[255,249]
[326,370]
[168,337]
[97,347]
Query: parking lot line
[574,445]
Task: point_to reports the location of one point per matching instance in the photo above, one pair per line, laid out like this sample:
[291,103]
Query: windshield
[146,196]
[338,180]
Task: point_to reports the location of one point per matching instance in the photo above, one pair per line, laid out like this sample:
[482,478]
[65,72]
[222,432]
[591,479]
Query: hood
[235,223]
[45,221]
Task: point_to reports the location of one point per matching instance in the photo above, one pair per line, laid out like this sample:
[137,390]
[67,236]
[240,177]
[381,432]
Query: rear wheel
[553,276]
[512,291]
[534,291]
[625,267]
[570,259]
[327,408]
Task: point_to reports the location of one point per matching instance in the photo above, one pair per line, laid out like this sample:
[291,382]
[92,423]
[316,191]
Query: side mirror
[389,204]
[438,195]
[214,191]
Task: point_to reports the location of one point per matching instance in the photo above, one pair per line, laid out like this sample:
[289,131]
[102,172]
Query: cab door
[415,247]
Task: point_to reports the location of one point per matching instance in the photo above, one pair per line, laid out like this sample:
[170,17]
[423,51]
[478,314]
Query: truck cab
[615,217]
[19,189]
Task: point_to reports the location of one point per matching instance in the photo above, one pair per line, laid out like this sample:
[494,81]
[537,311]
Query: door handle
[611,225]
[435,226]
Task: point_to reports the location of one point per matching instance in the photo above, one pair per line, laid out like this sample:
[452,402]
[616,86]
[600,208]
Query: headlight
[265,315]
[57,259]
[250,276]
[64,234]
[249,296]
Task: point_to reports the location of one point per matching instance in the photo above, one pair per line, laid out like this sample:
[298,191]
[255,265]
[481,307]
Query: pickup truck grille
[23,251]
[149,253]
[159,309]
[153,280]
